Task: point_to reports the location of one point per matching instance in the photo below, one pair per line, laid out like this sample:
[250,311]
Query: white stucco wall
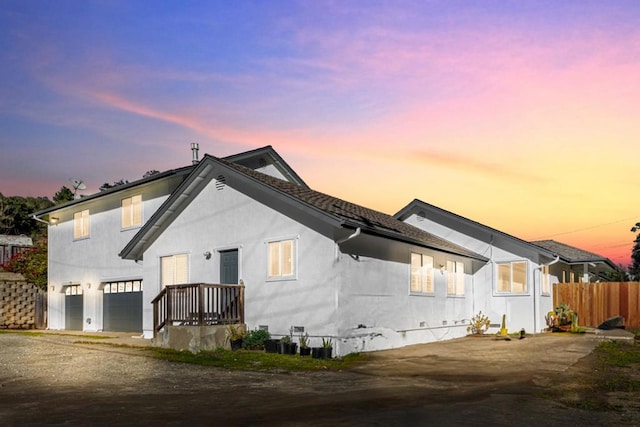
[522,311]
[94,260]
[333,293]
[378,311]
[227,219]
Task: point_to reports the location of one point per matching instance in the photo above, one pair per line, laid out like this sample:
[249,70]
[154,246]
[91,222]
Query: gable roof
[573,255]
[327,209]
[417,206]
[156,177]
[255,159]
[252,158]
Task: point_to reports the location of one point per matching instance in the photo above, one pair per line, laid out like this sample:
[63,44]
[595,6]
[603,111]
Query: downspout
[38,219]
[341,241]
[535,294]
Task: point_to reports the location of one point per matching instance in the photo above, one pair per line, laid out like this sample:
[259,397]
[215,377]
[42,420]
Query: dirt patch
[50,380]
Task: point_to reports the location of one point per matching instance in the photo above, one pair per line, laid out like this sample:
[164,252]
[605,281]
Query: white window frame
[122,286]
[179,272]
[73,290]
[510,265]
[545,280]
[421,275]
[455,278]
[131,212]
[283,270]
[81,225]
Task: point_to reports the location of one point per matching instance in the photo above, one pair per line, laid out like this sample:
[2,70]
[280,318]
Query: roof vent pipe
[194,151]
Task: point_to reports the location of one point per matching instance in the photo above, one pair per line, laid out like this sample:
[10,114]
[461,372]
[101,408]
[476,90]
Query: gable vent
[221,182]
[421,216]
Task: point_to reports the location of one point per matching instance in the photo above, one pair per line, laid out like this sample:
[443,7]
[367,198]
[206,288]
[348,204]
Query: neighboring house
[13,245]
[517,279]
[579,265]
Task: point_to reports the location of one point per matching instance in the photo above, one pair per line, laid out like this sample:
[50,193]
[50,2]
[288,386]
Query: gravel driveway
[51,380]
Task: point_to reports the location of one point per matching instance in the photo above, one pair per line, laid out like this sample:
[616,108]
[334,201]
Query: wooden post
[201,304]
[169,296]
[241,303]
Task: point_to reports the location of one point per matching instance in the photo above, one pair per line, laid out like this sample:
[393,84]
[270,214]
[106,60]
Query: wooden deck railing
[198,304]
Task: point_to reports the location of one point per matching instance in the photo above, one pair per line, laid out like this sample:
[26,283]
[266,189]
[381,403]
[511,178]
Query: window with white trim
[545,280]
[174,270]
[122,287]
[512,277]
[81,224]
[281,259]
[73,290]
[132,212]
[421,273]
[455,278]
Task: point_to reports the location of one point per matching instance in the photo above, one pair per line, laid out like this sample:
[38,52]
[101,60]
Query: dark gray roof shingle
[570,253]
[355,215]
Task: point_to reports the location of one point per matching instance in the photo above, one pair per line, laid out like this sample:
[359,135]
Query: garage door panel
[123,312]
[73,312]
[122,306]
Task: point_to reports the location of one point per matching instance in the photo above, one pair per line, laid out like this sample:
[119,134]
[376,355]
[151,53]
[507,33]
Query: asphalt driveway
[50,380]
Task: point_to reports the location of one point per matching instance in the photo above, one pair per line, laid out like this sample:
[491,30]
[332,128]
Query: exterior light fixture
[54,220]
[207,255]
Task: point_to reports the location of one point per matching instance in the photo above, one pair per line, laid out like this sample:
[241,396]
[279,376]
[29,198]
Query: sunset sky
[521,115]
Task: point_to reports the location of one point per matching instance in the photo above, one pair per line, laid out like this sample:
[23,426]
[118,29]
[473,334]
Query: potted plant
[480,323]
[327,348]
[285,345]
[305,350]
[235,335]
[271,345]
[565,319]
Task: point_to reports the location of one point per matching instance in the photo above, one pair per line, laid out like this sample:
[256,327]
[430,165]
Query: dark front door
[229,267]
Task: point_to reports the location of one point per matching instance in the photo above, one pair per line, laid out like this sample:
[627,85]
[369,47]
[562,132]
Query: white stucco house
[307,260]
[517,278]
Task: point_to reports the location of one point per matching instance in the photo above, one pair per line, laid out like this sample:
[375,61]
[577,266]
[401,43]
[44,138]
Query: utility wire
[588,228]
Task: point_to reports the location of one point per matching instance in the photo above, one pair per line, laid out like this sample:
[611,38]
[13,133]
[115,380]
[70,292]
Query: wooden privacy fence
[596,302]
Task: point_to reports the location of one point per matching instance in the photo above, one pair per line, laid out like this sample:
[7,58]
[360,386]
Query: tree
[32,264]
[63,195]
[16,212]
[618,275]
[635,258]
[150,173]
[106,185]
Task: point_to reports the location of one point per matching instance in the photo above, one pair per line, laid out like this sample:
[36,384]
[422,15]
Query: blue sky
[522,115]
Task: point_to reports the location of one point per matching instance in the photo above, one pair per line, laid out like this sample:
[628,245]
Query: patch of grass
[21,332]
[613,370]
[256,360]
[614,353]
[33,333]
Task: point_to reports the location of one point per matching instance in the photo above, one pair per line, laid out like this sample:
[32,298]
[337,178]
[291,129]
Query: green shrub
[254,340]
